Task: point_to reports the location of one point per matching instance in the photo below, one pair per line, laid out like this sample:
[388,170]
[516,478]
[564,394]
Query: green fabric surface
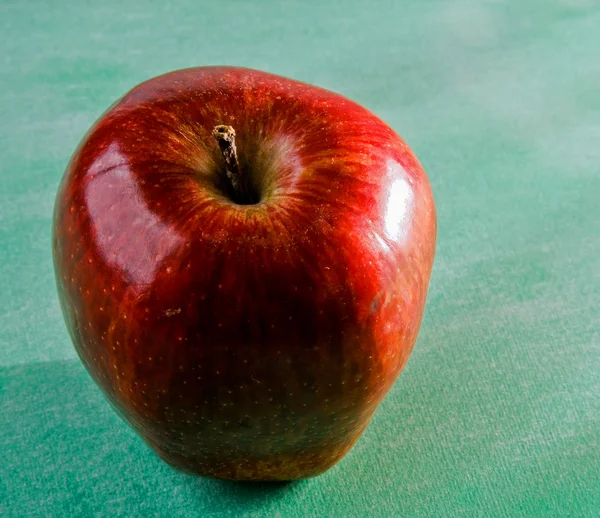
[498,410]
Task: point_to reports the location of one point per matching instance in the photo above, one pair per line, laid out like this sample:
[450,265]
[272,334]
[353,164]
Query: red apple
[245,312]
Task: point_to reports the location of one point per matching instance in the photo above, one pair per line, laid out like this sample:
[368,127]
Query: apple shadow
[244,497]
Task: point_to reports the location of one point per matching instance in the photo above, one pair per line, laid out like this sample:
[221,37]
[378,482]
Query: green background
[498,410]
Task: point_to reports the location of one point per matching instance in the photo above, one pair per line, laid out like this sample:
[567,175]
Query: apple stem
[225,136]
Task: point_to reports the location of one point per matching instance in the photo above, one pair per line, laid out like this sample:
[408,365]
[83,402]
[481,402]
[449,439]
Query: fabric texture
[498,410]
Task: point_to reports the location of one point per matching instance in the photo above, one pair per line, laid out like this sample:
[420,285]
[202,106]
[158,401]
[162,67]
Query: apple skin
[245,342]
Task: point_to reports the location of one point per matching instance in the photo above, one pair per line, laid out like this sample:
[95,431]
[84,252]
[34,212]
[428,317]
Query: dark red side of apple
[243,341]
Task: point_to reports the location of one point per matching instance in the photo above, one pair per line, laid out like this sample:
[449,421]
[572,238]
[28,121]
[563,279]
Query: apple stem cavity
[240,190]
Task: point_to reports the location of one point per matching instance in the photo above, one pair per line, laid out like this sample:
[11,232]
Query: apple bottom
[277,467]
